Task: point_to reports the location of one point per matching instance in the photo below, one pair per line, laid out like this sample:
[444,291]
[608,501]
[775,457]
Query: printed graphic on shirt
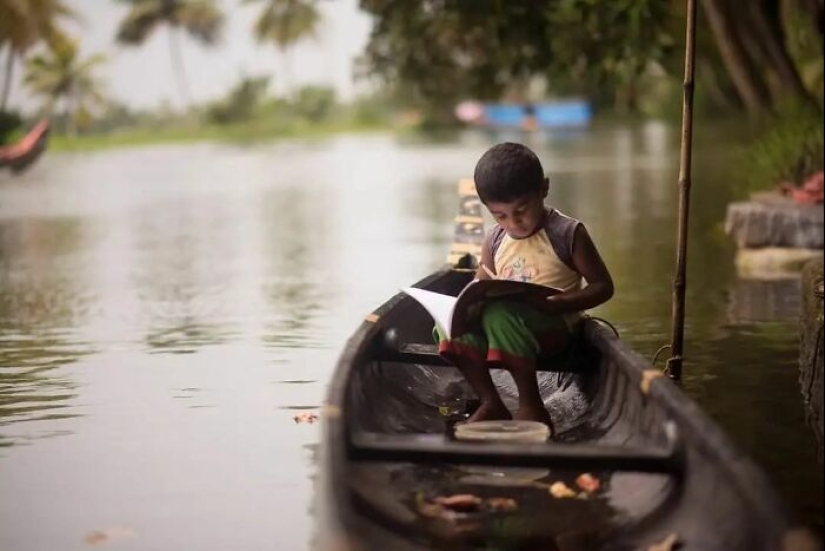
[520,270]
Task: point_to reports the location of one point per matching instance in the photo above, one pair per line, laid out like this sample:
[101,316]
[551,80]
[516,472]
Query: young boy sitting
[534,243]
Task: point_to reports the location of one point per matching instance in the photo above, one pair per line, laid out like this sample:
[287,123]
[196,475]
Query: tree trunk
[717,93]
[286,66]
[771,39]
[817,8]
[753,93]
[4,100]
[762,69]
[178,67]
[69,112]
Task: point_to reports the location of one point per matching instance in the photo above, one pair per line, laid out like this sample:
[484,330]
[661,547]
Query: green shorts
[511,333]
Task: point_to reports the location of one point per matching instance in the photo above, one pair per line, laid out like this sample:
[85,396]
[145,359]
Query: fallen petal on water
[305,417]
[103,537]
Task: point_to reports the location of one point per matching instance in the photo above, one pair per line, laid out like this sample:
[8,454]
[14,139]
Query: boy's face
[522,217]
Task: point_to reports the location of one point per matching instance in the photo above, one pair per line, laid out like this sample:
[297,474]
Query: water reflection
[192,305]
[297,222]
[754,300]
[180,273]
[32,387]
[39,304]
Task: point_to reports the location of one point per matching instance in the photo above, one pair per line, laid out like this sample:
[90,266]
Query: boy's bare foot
[537,413]
[491,412]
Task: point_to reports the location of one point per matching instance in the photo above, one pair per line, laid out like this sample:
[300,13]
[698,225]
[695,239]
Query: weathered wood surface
[776,223]
[811,349]
[469,226]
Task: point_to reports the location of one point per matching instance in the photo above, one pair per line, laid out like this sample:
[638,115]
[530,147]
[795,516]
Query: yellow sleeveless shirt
[544,258]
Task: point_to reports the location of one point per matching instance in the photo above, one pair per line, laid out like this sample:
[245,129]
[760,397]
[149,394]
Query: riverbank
[239,133]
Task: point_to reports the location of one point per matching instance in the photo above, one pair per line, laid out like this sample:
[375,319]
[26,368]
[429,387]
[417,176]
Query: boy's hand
[549,304]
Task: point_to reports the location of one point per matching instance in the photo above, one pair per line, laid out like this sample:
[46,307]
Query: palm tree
[24,23]
[285,23]
[61,77]
[201,19]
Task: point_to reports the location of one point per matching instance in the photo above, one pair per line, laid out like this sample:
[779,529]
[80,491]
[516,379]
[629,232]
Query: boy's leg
[512,329]
[468,354]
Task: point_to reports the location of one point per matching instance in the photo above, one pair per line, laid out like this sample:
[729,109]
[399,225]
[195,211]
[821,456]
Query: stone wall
[774,221]
[811,348]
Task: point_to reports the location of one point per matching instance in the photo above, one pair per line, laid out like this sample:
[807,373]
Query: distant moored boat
[18,157]
[571,113]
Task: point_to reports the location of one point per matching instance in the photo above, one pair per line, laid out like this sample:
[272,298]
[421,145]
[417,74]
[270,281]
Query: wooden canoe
[669,477]
[665,467]
[21,155]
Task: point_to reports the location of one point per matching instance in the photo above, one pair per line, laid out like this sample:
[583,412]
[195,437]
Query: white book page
[439,306]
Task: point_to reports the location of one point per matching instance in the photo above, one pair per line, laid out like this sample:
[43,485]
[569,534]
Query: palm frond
[24,23]
[286,22]
[143,18]
[62,74]
[202,19]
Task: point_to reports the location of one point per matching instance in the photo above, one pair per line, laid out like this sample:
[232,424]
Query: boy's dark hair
[507,172]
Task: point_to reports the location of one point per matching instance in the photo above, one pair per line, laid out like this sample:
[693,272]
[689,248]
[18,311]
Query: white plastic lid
[503,431]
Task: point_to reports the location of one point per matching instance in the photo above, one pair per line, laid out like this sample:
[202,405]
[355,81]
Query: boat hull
[664,466]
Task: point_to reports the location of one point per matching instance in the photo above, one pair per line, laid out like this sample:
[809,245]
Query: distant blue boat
[539,116]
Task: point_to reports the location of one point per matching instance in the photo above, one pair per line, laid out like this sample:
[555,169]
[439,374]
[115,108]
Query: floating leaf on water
[109,535]
[306,417]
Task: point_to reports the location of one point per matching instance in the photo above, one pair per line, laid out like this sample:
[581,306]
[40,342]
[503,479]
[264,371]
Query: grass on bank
[241,133]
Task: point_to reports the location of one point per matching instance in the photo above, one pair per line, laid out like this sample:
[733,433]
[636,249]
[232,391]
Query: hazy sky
[142,76]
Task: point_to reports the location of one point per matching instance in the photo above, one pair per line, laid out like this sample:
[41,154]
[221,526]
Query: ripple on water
[35,391]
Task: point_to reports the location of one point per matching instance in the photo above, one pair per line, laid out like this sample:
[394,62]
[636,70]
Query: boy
[530,242]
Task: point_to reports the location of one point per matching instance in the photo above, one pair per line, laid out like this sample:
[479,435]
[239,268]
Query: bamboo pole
[674,365]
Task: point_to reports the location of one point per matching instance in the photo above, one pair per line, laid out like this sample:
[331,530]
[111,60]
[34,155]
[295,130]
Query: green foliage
[609,44]
[241,103]
[24,23]
[442,52]
[804,42]
[447,51]
[373,110]
[10,123]
[790,150]
[201,19]
[314,103]
[286,22]
[61,77]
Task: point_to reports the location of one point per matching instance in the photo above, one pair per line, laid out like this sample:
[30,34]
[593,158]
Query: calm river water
[165,312]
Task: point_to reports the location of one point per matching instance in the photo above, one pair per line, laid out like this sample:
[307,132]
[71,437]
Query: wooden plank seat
[575,361]
[437,448]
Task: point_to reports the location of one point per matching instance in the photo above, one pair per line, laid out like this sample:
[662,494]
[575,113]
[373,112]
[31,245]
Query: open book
[456,315]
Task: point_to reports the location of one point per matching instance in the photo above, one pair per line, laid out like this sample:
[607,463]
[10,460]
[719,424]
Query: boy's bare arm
[588,262]
[487,265]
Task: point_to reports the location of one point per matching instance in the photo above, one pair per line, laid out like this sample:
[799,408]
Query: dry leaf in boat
[560,490]
[460,502]
[588,483]
[500,504]
[102,537]
[305,417]
[669,544]
[430,510]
